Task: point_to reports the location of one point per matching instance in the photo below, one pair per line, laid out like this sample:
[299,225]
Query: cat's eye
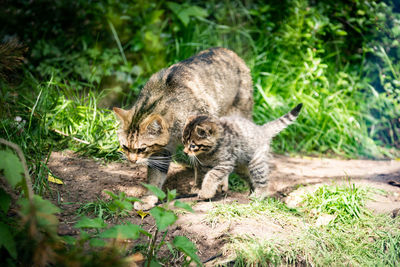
[141,150]
[192,146]
[201,132]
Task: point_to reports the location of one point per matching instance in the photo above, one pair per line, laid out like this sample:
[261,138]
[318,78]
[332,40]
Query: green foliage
[12,167]
[354,238]
[156,191]
[185,11]
[346,203]
[183,244]
[341,60]
[163,217]
[36,230]
[183,205]
[86,222]
[117,207]
[125,231]
[236,183]
[254,209]
[7,240]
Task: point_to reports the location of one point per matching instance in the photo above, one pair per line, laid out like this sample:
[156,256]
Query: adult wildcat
[222,145]
[215,82]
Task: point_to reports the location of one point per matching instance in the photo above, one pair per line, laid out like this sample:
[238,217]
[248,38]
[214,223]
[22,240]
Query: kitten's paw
[261,192]
[225,185]
[148,203]
[206,194]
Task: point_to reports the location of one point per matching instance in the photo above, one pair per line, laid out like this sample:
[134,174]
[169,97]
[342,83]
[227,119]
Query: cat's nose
[185,150]
[133,158]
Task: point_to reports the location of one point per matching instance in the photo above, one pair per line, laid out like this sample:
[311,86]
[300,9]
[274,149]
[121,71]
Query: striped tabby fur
[223,145]
[215,82]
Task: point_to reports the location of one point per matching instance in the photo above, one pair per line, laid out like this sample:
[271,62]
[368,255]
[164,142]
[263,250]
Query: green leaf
[69,240]
[184,17]
[184,12]
[156,191]
[5,201]
[84,236]
[183,205]
[111,194]
[7,240]
[196,11]
[123,205]
[171,195]
[174,7]
[183,244]
[154,263]
[13,170]
[97,242]
[133,199]
[163,217]
[44,211]
[125,231]
[86,222]
[44,205]
[341,33]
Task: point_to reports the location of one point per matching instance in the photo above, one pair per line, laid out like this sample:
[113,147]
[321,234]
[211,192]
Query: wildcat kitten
[229,144]
[215,82]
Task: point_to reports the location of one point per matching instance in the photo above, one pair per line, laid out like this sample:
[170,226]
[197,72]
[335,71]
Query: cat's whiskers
[194,160]
[160,162]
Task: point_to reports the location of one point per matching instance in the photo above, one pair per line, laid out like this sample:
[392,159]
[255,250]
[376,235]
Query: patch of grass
[346,202]
[238,184]
[117,206]
[91,130]
[357,238]
[373,243]
[256,208]
[253,252]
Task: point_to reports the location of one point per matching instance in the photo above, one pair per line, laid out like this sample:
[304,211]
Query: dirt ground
[85,180]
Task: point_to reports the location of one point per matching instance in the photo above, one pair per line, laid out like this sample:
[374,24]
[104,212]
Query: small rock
[395,213]
[324,219]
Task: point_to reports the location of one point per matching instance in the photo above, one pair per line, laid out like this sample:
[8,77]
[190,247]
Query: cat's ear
[154,125]
[190,118]
[122,115]
[206,129]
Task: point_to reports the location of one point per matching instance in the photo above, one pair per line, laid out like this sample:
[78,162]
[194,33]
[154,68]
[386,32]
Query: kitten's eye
[201,132]
[192,146]
[141,150]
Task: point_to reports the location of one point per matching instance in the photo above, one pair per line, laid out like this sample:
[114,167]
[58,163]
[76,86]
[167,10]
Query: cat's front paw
[148,203]
[206,193]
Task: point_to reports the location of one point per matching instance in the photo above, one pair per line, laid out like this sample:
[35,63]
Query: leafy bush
[33,237]
[340,59]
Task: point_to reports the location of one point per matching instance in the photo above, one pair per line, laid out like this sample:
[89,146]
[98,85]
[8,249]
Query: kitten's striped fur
[227,144]
[214,82]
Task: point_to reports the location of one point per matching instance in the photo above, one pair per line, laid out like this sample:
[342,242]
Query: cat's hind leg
[259,171]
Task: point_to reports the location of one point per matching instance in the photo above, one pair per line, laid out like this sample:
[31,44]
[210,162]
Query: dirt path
[85,179]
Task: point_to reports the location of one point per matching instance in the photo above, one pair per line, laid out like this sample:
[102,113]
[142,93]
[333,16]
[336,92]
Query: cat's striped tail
[274,127]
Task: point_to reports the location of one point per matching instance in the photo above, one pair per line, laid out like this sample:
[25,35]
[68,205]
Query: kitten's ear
[154,125]
[208,128]
[190,118]
[122,115]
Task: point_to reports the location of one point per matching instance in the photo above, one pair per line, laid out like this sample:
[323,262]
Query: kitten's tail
[276,126]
